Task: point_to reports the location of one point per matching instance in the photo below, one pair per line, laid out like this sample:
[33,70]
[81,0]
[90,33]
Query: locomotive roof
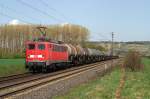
[46,42]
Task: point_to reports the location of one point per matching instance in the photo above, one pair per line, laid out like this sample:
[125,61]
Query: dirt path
[121,84]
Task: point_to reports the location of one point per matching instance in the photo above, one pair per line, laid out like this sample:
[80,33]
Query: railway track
[30,82]
[12,77]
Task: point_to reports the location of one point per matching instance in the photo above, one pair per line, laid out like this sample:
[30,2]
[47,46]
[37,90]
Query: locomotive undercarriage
[73,61]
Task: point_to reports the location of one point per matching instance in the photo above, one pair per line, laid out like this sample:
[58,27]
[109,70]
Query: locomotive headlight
[31,56]
[40,56]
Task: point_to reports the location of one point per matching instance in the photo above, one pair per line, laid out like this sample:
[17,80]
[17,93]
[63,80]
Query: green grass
[101,88]
[136,86]
[11,66]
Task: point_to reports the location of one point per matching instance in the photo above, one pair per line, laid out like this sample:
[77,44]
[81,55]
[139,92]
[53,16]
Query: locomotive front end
[36,55]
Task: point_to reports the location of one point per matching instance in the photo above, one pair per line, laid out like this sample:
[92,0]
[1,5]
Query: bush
[133,60]
[147,57]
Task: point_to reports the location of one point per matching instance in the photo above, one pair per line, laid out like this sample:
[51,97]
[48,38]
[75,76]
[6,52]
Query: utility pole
[112,43]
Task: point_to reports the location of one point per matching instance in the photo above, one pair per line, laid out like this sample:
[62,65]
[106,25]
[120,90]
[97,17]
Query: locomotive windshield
[31,46]
[41,46]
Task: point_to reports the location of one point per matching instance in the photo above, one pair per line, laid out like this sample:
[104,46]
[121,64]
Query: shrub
[132,61]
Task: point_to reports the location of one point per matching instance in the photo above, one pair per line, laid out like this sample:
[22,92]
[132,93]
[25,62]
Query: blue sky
[129,19]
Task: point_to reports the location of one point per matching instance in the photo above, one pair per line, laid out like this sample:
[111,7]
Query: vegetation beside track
[11,66]
[136,86]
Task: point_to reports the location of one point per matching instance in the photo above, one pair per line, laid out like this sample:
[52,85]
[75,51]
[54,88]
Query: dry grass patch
[133,61]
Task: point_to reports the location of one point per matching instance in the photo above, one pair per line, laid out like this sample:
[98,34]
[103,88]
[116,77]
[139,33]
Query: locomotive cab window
[41,47]
[31,46]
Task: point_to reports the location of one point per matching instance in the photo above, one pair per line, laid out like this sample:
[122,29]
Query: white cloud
[63,24]
[14,22]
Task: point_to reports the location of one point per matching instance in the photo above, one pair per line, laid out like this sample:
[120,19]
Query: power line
[14,11]
[11,17]
[39,10]
[53,9]
[102,36]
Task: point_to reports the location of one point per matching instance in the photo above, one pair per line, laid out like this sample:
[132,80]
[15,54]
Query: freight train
[43,55]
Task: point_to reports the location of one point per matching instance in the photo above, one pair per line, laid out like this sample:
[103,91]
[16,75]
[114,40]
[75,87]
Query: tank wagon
[43,55]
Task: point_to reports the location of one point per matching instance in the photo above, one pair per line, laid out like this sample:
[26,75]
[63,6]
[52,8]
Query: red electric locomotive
[41,54]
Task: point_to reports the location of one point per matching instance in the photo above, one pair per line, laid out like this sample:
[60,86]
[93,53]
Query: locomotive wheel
[39,69]
[52,68]
[44,70]
[34,70]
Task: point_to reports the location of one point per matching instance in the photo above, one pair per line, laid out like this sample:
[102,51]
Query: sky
[128,19]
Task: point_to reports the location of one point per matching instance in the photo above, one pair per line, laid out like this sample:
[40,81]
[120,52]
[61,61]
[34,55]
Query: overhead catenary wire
[102,36]
[39,10]
[15,11]
[11,17]
[53,9]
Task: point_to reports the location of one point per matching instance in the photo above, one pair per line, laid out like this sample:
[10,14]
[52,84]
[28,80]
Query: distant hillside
[123,47]
[138,42]
[129,42]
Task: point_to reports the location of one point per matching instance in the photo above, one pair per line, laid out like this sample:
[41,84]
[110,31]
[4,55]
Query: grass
[11,66]
[137,86]
[101,88]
